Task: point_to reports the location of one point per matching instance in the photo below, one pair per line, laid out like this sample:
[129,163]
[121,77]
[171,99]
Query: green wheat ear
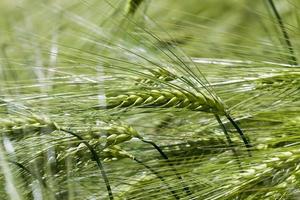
[174,99]
[117,134]
[20,127]
[160,74]
[121,133]
[165,99]
[35,123]
[279,81]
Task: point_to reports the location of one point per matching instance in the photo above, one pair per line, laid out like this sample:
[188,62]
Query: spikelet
[115,133]
[115,153]
[161,74]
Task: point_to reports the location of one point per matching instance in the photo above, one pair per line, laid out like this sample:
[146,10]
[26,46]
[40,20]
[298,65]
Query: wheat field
[148,99]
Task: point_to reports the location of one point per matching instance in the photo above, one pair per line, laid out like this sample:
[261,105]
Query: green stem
[284,32]
[96,158]
[20,165]
[240,132]
[231,144]
[224,130]
[186,188]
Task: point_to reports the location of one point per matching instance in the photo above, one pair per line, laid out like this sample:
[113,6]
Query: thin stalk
[240,132]
[96,158]
[158,176]
[231,144]
[21,166]
[186,188]
[224,130]
[284,33]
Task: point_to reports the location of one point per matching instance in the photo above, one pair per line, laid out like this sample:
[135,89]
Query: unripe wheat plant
[149,99]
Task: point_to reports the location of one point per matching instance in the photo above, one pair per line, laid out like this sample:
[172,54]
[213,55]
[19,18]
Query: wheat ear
[173,99]
[21,126]
[43,125]
[165,99]
[120,134]
[284,162]
[160,74]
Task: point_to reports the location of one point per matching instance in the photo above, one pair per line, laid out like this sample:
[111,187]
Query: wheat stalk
[25,169]
[292,58]
[96,158]
[114,152]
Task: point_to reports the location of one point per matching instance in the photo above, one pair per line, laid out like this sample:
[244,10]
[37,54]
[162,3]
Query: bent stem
[240,132]
[230,143]
[285,33]
[21,166]
[158,176]
[179,177]
[96,158]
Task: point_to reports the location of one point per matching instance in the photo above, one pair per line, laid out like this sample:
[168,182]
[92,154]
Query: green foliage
[149,99]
